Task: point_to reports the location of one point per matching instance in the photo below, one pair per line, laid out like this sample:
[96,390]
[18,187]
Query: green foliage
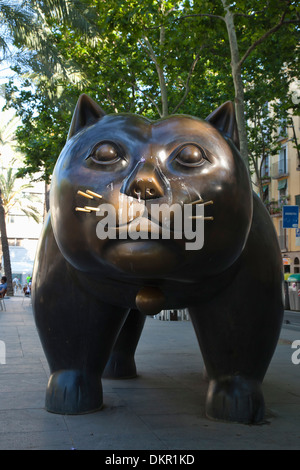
[152,57]
[45,120]
[16,19]
[17,197]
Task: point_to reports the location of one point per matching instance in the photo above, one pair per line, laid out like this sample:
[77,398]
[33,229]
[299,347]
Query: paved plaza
[162,409]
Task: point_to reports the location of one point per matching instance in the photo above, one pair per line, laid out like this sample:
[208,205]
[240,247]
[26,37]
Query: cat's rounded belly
[148,258]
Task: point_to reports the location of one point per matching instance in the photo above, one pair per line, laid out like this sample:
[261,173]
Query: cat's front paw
[235,399]
[73,392]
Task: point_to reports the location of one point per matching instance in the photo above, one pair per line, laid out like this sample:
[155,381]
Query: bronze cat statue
[111,252]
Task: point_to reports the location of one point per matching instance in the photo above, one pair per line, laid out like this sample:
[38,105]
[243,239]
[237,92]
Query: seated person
[27,288]
[3,286]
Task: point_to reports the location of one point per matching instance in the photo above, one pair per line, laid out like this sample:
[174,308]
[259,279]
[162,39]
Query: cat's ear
[87,112]
[223,118]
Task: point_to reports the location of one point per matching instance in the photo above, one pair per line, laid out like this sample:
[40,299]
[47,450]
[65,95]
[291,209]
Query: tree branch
[265,35]
[195,15]
[255,13]
[161,78]
[187,88]
[109,97]
[130,83]
[200,15]
[144,93]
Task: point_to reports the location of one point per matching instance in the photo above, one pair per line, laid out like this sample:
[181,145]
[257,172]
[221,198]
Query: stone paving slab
[162,410]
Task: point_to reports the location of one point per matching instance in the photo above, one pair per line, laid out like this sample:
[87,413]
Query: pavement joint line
[175,421]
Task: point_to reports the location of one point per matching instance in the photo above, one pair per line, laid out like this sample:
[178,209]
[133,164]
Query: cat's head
[120,174]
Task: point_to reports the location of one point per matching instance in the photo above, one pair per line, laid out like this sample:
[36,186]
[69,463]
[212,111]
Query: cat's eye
[106,153]
[191,155]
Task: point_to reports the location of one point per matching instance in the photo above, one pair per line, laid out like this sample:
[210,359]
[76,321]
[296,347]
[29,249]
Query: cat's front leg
[77,331]
[74,391]
[75,384]
[77,345]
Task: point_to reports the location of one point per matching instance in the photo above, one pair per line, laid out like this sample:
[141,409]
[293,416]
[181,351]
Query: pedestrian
[16,284]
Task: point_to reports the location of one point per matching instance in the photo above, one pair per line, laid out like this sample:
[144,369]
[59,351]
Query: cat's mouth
[136,219]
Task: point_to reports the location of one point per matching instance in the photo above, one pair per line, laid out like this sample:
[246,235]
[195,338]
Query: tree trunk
[5,249]
[238,83]
[161,78]
[46,201]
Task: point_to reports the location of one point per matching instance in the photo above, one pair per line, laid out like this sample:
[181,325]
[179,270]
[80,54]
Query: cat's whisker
[92,193]
[81,193]
[81,209]
[201,202]
[89,208]
[200,217]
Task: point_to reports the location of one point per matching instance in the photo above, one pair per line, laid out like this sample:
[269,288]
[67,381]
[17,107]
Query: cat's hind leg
[239,327]
[237,332]
[121,364]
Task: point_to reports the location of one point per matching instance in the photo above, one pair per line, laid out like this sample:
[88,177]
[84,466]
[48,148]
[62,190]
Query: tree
[137,64]
[8,125]
[263,142]
[156,58]
[248,25]
[7,136]
[11,196]
[16,24]
[281,15]
[46,117]
[17,197]
[5,248]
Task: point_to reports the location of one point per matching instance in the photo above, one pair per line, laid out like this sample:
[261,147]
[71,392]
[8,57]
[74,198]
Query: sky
[5,74]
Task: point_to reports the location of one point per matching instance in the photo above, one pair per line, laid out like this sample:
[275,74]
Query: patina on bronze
[90,294]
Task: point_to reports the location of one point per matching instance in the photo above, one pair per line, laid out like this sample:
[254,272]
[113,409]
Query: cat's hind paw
[235,399]
[120,366]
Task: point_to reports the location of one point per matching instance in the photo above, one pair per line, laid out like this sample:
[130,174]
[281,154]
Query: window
[282,190]
[265,168]
[282,127]
[266,193]
[282,162]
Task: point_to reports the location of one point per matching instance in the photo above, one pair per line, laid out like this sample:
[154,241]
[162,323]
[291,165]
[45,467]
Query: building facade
[281,187]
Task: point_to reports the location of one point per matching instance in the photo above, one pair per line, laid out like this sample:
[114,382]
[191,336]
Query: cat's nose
[145,183]
[145,187]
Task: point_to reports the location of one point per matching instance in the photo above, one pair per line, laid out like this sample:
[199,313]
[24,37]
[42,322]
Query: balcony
[265,179]
[275,207]
[279,169]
